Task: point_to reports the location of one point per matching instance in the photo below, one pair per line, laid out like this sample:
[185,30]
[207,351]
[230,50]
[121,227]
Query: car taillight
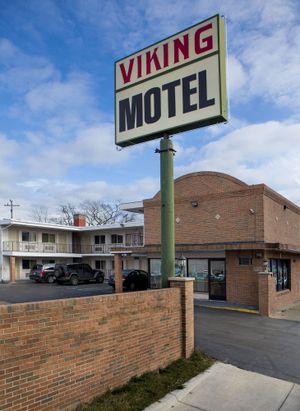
[42,273]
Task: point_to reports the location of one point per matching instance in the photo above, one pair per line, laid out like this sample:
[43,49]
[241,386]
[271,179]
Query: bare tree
[40,214]
[66,213]
[100,213]
[96,212]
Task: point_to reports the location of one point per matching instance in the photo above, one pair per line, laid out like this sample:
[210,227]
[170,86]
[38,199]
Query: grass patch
[150,387]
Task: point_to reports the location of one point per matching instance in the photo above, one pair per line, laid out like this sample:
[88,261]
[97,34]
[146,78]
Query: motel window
[99,239]
[116,239]
[28,264]
[28,236]
[48,238]
[245,261]
[100,264]
[281,271]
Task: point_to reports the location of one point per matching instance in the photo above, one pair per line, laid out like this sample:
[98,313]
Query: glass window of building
[155,272]
[48,238]
[116,239]
[99,239]
[198,268]
[281,271]
[100,264]
[28,236]
[28,264]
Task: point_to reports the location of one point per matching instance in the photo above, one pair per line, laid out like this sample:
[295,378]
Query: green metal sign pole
[167,210]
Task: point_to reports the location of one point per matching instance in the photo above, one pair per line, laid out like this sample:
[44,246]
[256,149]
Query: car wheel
[50,279]
[131,286]
[99,279]
[74,280]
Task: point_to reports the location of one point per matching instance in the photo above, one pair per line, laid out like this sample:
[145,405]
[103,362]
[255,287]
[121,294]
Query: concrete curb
[241,310]
[173,398]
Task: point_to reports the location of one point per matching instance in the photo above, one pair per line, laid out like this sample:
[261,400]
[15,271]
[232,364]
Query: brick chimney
[79,220]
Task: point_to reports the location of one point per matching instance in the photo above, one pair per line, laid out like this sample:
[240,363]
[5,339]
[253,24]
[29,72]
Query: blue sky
[57,99]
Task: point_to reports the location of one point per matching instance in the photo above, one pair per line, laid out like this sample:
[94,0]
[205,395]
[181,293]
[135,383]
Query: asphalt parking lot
[265,345]
[31,292]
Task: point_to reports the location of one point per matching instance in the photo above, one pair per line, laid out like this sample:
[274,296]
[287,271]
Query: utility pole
[167,153]
[11,205]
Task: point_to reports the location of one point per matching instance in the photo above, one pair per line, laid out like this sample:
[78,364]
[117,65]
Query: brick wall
[271,300]
[56,354]
[219,217]
[242,280]
[282,221]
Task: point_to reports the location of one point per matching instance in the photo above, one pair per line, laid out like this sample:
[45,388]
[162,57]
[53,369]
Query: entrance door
[217,280]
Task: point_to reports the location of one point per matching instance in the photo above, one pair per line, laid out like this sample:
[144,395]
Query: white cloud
[237,78]
[52,193]
[260,153]
[51,96]
[92,146]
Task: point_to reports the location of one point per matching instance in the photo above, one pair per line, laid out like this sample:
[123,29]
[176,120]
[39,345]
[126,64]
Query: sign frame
[223,112]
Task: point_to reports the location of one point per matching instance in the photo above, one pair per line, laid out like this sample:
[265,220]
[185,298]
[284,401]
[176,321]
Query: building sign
[175,85]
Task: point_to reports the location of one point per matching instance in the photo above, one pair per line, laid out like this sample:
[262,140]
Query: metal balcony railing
[55,248]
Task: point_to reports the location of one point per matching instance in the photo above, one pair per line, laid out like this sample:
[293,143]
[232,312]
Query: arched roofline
[209,173]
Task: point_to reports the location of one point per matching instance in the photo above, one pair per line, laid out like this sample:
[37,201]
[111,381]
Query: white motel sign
[175,85]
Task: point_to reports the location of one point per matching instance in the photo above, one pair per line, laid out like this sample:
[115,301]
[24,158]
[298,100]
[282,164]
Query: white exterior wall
[5,275]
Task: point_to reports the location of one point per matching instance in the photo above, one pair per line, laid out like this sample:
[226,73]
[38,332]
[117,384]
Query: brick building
[226,233]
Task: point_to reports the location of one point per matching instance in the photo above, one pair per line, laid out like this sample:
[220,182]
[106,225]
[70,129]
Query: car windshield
[126,272]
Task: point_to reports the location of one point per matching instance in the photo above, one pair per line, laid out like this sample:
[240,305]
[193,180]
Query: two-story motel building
[226,232]
[24,244]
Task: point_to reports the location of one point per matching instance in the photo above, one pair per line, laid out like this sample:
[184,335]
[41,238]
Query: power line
[11,205]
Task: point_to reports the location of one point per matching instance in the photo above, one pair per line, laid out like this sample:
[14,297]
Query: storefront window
[155,272]
[281,271]
[198,268]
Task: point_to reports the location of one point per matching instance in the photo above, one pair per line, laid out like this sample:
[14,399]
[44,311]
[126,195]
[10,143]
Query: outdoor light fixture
[285,207]
[194,203]
[252,211]
[181,266]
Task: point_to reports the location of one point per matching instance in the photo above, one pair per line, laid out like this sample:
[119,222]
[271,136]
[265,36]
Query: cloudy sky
[57,99]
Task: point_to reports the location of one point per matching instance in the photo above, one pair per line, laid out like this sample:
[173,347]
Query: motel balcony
[11,247]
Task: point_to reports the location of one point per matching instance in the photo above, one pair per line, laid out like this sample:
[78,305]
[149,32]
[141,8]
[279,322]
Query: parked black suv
[77,272]
[42,273]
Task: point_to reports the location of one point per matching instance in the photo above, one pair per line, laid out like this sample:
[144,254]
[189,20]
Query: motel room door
[217,280]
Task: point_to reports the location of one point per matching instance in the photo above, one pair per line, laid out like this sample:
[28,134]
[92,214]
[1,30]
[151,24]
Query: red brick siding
[281,299]
[281,225]
[200,225]
[242,281]
[205,182]
[187,303]
[55,354]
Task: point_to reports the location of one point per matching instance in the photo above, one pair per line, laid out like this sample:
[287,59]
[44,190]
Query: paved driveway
[31,292]
[292,313]
[265,345]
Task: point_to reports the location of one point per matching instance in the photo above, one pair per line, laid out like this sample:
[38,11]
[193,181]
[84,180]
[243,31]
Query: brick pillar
[186,286]
[266,292]
[118,273]
[12,269]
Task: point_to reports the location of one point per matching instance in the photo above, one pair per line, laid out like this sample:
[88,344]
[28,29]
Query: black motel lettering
[146,108]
